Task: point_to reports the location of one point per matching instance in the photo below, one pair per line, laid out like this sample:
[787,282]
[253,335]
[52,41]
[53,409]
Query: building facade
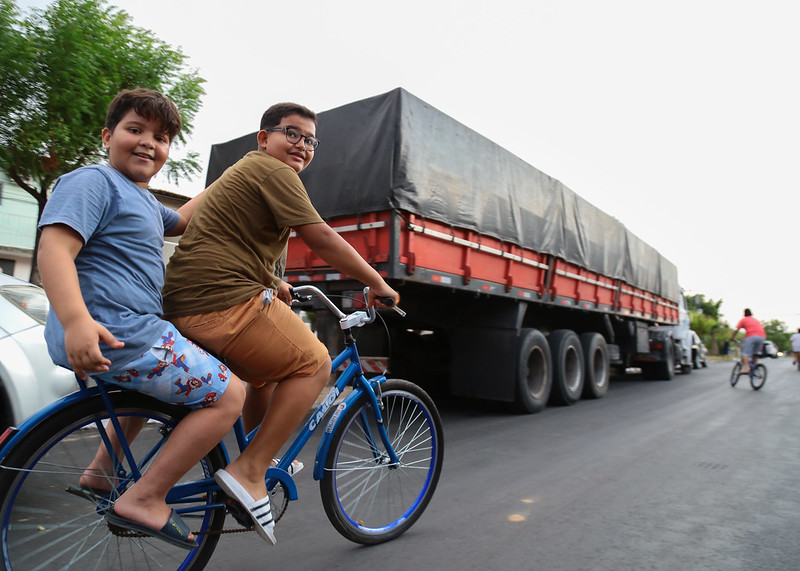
[18,216]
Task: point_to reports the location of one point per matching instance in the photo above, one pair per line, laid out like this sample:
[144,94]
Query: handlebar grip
[387,301]
[299,296]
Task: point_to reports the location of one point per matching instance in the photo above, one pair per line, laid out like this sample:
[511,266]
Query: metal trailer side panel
[395,152]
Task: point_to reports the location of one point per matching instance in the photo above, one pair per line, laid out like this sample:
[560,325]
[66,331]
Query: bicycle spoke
[45,526]
[371,499]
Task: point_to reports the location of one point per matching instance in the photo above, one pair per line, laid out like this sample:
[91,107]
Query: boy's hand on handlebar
[285,293]
[383,297]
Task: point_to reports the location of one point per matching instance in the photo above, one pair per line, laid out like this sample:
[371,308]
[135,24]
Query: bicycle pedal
[238,512]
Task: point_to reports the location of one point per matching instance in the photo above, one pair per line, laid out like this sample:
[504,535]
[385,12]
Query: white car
[28,378]
[769,349]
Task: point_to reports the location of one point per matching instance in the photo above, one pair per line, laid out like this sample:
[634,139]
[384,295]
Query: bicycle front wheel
[367,499]
[737,370]
[45,524]
[759,377]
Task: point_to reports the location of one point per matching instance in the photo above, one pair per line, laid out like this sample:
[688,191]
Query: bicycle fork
[377,407]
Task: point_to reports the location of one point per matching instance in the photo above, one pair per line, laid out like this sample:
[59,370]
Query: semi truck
[516,289]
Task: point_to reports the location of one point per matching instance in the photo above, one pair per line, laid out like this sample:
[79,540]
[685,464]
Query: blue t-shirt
[120,267]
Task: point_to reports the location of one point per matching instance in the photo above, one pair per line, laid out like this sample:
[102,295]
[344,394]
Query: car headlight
[30,300]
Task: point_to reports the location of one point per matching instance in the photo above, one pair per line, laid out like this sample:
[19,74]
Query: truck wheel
[533,380]
[597,373]
[567,356]
[662,370]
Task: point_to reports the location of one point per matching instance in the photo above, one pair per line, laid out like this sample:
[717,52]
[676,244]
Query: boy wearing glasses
[221,287]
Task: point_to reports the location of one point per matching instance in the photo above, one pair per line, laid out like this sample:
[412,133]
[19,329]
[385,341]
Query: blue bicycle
[378,463]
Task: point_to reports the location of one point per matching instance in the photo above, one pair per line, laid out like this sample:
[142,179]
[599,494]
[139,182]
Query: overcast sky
[678,118]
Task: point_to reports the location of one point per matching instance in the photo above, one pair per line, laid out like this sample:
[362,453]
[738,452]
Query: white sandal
[294,467]
[259,510]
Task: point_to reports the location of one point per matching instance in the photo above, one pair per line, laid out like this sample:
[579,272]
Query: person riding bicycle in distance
[221,290]
[754,337]
[100,258]
[795,341]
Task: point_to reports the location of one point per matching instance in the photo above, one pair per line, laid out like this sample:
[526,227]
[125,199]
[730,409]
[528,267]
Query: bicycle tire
[365,499]
[43,526]
[737,369]
[758,377]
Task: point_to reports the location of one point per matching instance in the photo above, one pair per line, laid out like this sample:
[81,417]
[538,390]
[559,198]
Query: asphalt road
[685,474]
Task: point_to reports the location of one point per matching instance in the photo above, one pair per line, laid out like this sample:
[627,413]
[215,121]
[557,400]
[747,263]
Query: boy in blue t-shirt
[100,258]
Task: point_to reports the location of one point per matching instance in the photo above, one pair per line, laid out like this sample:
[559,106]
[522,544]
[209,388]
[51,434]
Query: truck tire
[662,370]
[596,369]
[534,372]
[568,365]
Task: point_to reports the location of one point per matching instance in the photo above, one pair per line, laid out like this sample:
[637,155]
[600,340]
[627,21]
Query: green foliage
[776,332]
[707,307]
[60,68]
[705,319]
[703,324]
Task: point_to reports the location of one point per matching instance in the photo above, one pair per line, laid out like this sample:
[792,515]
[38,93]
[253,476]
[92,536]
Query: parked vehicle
[28,378]
[699,352]
[517,289]
[769,349]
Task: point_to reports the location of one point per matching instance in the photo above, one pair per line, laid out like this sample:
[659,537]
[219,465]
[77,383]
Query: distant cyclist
[754,337]
[795,341]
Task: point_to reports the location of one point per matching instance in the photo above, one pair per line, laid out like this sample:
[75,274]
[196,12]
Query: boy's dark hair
[147,103]
[277,112]
[748,313]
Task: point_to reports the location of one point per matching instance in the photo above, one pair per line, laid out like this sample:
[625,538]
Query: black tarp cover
[394,151]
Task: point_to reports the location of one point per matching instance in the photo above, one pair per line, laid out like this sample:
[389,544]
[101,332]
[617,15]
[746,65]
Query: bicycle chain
[120,532]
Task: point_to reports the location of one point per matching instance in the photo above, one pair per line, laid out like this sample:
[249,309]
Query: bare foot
[97,479]
[296,464]
[153,514]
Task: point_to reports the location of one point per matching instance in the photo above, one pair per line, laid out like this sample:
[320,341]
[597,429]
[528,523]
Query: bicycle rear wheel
[42,526]
[759,377]
[737,369]
[366,499]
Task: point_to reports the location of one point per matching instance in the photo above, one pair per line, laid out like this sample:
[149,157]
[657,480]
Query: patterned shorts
[174,370]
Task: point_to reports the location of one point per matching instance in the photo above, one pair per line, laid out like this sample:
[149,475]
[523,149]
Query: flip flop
[259,510]
[175,531]
[294,467]
[91,494]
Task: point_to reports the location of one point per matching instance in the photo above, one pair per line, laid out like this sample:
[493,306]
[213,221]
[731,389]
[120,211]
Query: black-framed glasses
[293,135]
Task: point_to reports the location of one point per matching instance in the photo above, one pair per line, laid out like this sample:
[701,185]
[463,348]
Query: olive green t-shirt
[237,233]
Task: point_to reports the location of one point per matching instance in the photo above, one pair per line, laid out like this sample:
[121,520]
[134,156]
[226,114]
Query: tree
[59,69]
[704,319]
[777,333]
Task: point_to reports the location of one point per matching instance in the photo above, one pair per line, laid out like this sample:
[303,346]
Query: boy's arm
[58,247]
[185,212]
[331,247]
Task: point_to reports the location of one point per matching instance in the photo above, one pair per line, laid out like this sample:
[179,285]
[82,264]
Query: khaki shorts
[260,343]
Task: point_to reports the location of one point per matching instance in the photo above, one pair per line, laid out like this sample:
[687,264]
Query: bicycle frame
[352,374]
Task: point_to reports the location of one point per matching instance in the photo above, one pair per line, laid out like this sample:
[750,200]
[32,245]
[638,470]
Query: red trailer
[516,288]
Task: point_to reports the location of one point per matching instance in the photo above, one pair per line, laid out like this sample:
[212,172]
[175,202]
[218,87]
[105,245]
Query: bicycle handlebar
[346,321]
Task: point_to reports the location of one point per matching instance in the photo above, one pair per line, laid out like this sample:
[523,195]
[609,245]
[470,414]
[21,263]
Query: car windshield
[31,300]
